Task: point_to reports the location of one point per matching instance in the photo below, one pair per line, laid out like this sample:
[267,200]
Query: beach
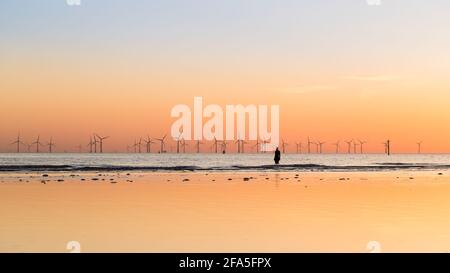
[207,211]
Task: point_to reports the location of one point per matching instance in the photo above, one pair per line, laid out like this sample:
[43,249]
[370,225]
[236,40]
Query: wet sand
[225,212]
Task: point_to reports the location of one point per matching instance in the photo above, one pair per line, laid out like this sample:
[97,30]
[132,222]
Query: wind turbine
[349,143]
[197,144]
[283,145]
[50,145]
[355,145]
[238,142]
[37,142]
[317,146]
[243,142]
[224,146]
[337,143]
[90,144]
[140,144]
[215,144]
[18,142]
[101,141]
[265,142]
[362,143]
[298,147]
[419,147]
[183,145]
[309,145]
[161,140]
[320,145]
[95,144]
[257,145]
[148,144]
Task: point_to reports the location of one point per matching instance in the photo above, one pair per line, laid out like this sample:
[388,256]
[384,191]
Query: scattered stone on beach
[128,173]
[348,178]
[60,180]
[111,179]
[82,179]
[99,174]
[45,175]
[342,179]
[94,179]
[321,179]
[230,179]
[267,178]
[43,182]
[168,180]
[113,182]
[186,179]
[246,179]
[440,174]
[306,186]
[213,180]
[20,180]
[411,178]
[103,179]
[72,175]
[298,180]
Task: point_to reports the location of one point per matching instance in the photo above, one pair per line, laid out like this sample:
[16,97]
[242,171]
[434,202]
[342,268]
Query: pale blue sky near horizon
[222,27]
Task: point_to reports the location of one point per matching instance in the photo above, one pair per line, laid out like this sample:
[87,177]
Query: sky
[339,70]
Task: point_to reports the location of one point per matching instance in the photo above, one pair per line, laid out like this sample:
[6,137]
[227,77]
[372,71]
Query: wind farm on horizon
[178,145]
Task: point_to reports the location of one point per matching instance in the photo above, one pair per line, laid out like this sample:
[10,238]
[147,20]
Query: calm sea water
[218,162]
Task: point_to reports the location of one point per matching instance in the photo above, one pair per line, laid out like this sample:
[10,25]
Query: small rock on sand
[94,179]
[45,175]
[60,180]
[43,182]
[82,179]
[113,182]
[186,179]
[230,179]
[440,174]
[246,179]
[342,179]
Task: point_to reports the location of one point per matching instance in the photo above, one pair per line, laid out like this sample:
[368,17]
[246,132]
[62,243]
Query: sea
[10,162]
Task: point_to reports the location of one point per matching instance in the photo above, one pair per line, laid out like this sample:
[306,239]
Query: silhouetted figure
[277,156]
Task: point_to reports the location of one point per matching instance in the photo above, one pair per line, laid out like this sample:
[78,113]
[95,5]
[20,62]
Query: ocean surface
[220,162]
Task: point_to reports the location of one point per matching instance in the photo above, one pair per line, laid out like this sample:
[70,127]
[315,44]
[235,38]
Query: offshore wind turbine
[265,142]
[18,142]
[148,144]
[349,145]
[215,144]
[337,143]
[50,145]
[320,145]
[298,146]
[309,145]
[355,146]
[257,145]
[140,144]
[183,145]
[101,142]
[90,144]
[197,145]
[37,142]
[243,143]
[361,143]
[162,141]
[419,147]
[283,145]
[95,144]
[224,146]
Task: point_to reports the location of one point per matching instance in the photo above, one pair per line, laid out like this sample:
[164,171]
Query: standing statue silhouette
[277,156]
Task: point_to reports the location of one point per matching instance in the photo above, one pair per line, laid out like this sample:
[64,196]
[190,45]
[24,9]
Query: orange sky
[359,79]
